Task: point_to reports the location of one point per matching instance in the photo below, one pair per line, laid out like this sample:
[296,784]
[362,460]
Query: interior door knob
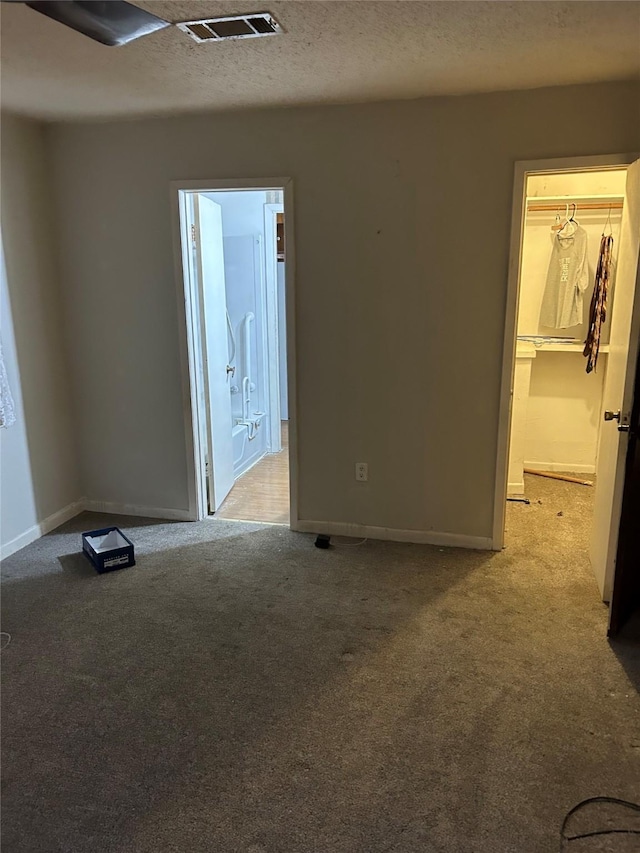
[612,416]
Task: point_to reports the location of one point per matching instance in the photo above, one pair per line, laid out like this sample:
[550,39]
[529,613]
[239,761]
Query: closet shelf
[569,347]
[591,197]
[583,202]
[555,347]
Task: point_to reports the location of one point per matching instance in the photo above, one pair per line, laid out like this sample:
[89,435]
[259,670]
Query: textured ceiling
[333,52]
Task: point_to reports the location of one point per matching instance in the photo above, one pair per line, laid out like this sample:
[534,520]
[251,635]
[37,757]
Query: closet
[556,408]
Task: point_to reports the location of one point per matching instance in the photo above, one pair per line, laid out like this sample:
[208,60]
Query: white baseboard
[515,489]
[136,509]
[555,467]
[392,534]
[57,518]
[333,528]
[45,526]
[61,516]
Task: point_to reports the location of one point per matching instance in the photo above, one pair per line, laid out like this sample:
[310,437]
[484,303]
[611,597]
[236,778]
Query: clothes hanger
[557,225]
[570,220]
[608,222]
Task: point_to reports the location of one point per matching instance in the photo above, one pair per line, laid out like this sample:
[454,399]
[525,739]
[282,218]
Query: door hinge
[193,237]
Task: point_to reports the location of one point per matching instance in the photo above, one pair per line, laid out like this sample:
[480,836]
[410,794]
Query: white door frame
[190,340]
[273,331]
[524,168]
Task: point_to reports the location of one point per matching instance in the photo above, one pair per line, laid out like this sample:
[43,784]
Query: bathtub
[239,437]
[246,452]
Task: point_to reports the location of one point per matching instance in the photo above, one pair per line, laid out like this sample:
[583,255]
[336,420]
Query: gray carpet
[241,690]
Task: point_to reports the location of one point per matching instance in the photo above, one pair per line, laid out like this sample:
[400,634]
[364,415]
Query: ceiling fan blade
[111,22]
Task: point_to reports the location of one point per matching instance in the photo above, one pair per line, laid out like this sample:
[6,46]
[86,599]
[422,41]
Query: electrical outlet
[362,472]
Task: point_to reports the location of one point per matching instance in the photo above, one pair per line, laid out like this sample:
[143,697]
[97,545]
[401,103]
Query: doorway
[235,286]
[566,407]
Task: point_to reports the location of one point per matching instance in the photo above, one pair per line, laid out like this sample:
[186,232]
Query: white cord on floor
[3,645]
[349,544]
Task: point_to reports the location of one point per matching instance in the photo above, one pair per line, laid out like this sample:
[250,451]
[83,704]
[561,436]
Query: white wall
[18,511]
[402,237]
[282,342]
[563,414]
[603,182]
[242,212]
[40,479]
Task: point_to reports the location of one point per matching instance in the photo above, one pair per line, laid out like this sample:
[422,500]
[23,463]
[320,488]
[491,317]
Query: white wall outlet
[362,472]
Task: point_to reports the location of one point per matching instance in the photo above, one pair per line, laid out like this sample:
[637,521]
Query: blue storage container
[108,549]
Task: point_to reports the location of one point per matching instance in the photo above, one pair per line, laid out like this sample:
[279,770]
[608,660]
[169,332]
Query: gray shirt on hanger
[567,280]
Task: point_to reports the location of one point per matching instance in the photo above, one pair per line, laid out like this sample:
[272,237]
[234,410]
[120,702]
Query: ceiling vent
[234,27]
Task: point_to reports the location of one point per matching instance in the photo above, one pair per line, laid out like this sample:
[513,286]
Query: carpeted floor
[241,690]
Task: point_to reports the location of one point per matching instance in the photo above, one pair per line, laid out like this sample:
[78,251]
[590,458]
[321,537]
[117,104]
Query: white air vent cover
[234,27]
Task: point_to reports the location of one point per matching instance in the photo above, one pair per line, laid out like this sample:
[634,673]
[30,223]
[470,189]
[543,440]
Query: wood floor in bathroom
[262,494]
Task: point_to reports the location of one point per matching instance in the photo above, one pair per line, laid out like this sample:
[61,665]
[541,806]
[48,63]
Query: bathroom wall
[563,414]
[243,237]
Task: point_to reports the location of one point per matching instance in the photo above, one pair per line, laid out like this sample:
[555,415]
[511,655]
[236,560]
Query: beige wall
[38,456]
[564,412]
[402,232]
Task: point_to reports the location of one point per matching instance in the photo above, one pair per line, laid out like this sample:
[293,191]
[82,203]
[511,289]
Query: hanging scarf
[598,308]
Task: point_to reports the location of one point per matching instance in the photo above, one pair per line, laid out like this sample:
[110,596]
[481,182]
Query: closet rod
[614,205]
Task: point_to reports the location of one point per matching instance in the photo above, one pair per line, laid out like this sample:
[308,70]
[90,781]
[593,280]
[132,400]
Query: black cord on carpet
[566,839]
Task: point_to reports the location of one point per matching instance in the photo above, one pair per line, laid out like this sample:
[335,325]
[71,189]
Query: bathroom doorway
[569,366]
[234,269]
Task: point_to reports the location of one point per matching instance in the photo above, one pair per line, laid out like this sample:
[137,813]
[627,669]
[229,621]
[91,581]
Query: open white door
[618,390]
[272,326]
[213,313]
